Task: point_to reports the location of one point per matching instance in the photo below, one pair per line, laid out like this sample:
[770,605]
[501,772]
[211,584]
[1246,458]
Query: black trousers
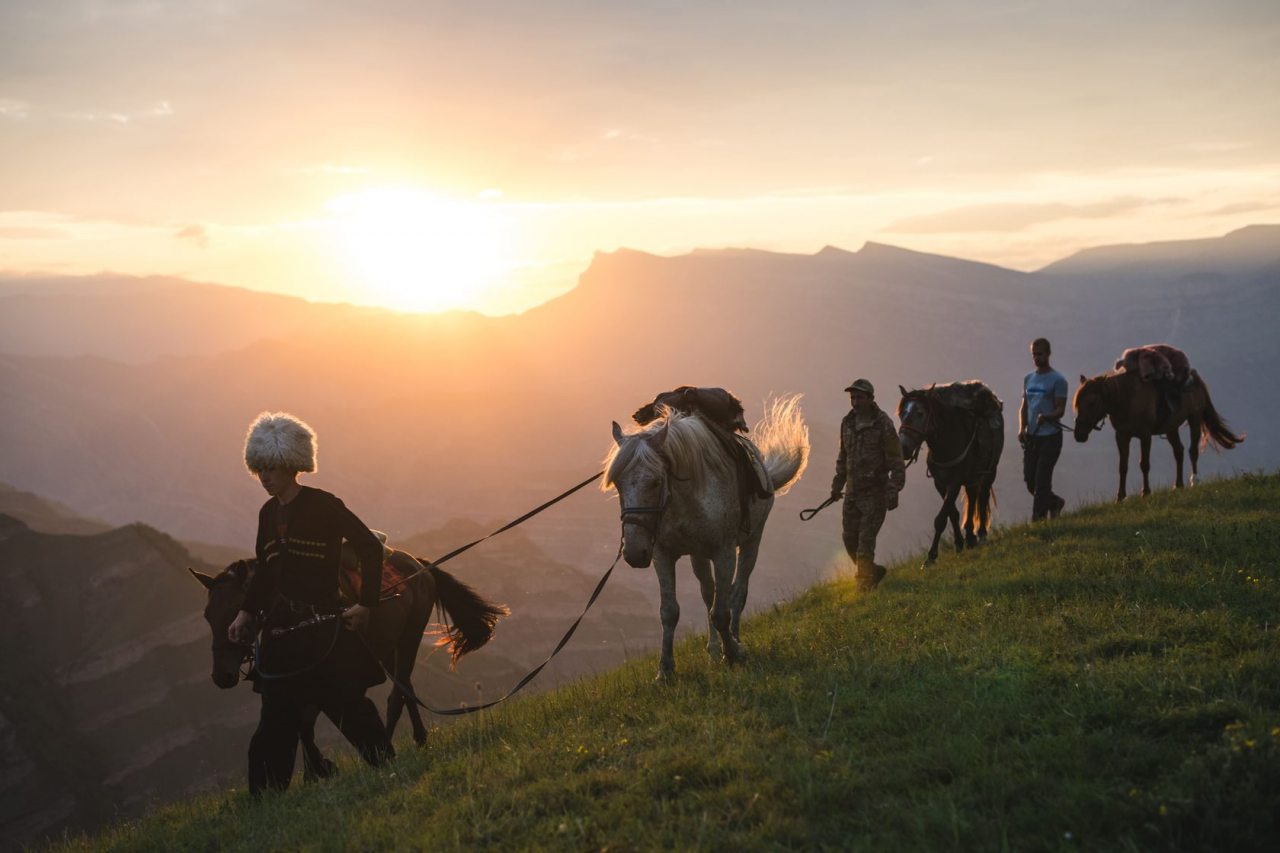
[273,748]
[1039,455]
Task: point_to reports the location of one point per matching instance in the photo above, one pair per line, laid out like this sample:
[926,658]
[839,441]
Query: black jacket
[299,548]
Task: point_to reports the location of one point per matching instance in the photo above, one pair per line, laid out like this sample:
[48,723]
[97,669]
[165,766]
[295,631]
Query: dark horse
[394,632]
[963,426]
[1134,408]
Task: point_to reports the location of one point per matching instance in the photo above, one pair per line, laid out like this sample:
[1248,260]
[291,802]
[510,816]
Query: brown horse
[1134,409]
[394,632]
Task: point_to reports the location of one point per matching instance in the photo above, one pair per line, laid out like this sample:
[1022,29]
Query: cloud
[1015,217]
[160,109]
[1243,207]
[13,109]
[32,232]
[333,169]
[197,234]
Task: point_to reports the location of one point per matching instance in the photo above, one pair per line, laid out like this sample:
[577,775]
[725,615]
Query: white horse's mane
[691,452]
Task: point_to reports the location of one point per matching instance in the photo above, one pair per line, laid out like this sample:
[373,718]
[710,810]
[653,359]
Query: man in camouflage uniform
[869,474]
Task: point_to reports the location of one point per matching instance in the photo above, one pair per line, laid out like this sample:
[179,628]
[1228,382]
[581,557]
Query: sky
[430,155]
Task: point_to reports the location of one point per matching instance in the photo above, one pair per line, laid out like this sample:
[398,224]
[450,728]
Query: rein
[954,462]
[408,692]
[427,564]
[806,514]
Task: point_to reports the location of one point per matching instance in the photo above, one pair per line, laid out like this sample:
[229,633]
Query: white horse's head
[637,468]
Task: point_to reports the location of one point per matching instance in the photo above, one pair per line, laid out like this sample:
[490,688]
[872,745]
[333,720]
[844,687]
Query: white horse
[678,486]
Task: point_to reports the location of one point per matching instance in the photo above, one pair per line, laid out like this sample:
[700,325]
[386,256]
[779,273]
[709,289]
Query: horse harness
[651,516]
[923,434]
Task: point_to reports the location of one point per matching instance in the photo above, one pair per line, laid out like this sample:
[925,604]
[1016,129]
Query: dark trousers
[274,745]
[1039,455]
[863,515]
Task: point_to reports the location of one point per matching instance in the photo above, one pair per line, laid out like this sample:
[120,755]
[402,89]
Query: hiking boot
[1059,503]
[870,580]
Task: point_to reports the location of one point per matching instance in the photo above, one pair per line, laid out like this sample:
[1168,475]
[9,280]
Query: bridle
[222,642]
[650,516]
[922,434]
[927,404]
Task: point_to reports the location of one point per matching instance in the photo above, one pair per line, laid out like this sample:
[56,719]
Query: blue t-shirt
[1041,391]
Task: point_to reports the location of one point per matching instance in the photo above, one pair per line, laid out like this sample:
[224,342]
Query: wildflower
[1164,810]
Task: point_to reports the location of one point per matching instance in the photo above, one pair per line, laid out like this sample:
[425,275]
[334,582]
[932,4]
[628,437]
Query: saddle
[715,405]
[723,413]
[393,575]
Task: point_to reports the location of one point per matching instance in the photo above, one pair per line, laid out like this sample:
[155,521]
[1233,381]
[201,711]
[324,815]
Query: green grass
[1107,681]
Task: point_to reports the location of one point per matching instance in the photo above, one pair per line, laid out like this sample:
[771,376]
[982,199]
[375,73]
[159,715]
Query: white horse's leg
[665,567]
[702,571]
[747,555]
[726,563]
[748,552]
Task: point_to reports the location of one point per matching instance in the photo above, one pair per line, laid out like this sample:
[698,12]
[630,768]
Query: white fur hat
[280,440]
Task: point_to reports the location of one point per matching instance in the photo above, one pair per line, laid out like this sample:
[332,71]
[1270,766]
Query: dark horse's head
[226,595]
[917,418]
[1090,406]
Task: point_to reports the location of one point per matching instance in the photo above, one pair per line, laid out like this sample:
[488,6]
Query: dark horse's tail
[473,618]
[1215,428]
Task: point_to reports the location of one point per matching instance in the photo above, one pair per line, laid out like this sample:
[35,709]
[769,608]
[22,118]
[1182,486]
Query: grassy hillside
[1105,681]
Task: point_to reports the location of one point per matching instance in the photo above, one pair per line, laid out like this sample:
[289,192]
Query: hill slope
[1103,681]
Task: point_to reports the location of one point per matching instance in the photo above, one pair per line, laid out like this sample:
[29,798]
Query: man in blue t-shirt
[1044,402]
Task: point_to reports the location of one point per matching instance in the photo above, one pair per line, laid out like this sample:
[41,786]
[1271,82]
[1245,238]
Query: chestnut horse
[1133,407]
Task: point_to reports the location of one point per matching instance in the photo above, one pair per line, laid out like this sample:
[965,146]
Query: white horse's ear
[1083,379]
[205,580]
[903,390]
[617,433]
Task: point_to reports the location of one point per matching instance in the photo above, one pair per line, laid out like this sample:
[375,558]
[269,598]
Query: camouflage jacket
[870,456]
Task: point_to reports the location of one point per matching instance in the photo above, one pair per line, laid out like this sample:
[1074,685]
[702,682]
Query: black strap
[528,515]
[407,690]
[806,514]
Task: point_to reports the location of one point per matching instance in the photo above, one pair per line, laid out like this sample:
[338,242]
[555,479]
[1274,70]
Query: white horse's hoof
[1193,480]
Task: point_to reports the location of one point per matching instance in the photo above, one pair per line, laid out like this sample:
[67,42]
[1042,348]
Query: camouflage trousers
[863,515]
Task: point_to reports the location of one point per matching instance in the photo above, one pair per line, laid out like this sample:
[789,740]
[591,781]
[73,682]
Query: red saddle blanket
[393,575]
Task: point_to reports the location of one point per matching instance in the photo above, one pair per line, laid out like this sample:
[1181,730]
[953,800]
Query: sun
[416,251]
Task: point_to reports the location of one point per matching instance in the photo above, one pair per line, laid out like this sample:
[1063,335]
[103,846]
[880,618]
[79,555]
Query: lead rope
[409,693]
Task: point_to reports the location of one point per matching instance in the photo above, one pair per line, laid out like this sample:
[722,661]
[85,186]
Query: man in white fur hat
[299,547]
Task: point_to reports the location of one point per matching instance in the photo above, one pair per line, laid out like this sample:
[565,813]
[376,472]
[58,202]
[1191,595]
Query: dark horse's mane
[972,394]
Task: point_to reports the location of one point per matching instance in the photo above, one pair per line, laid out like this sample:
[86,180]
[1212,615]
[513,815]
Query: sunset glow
[420,252]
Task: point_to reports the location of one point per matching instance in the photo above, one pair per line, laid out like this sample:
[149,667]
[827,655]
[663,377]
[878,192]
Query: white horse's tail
[783,440]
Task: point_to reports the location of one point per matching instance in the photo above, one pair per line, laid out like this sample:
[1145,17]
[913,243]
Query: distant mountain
[45,515]
[1244,253]
[106,703]
[135,320]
